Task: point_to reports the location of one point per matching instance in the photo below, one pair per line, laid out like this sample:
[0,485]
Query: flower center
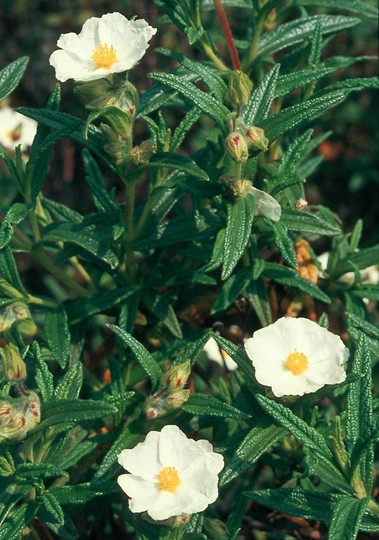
[296,362]
[104,56]
[168,479]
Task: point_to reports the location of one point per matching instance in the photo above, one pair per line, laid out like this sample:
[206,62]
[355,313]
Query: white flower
[296,356]
[218,355]
[170,474]
[265,205]
[110,44]
[16,129]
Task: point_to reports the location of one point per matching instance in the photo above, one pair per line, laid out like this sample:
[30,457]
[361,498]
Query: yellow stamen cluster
[296,362]
[104,56]
[168,479]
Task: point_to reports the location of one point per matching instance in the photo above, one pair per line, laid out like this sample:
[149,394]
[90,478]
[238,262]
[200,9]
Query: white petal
[265,205]
[213,352]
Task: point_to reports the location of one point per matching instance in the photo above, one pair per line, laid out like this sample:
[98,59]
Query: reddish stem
[228,35]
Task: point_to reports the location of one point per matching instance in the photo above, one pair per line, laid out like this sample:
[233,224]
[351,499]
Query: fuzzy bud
[239,187]
[12,422]
[14,368]
[236,146]
[239,89]
[176,398]
[141,154]
[177,376]
[256,138]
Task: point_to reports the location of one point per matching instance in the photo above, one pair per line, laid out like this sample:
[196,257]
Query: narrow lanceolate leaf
[260,101]
[8,270]
[291,278]
[83,236]
[170,160]
[359,410]
[350,85]
[58,336]
[363,9]
[238,229]
[53,511]
[72,411]
[44,378]
[143,356]
[347,515]
[289,82]
[256,442]
[19,520]
[300,429]
[203,101]
[302,29]
[284,243]
[11,75]
[359,259]
[297,220]
[205,405]
[78,310]
[304,503]
[276,125]
[163,310]
[97,186]
[71,383]
[16,213]
[257,294]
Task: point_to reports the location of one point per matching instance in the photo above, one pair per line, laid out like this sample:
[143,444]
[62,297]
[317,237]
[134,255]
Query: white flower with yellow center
[105,45]
[16,129]
[170,475]
[296,357]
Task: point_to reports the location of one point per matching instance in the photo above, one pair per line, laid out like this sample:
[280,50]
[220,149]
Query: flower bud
[177,376]
[239,89]
[114,145]
[31,409]
[255,138]
[176,398]
[236,146]
[141,154]
[12,422]
[94,93]
[238,187]
[14,368]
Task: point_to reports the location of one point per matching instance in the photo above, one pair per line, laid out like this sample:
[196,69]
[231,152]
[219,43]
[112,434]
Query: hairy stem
[228,35]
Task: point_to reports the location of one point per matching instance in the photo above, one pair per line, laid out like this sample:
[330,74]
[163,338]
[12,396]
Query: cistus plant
[186,367]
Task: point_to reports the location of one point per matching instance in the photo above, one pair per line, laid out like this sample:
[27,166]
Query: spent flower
[170,475]
[106,45]
[296,356]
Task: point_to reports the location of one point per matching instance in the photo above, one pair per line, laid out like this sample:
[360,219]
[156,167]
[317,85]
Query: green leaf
[284,243]
[302,29]
[203,101]
[239,356]
[231,289]
[71,383]
[238,230]
[172,161]
[85,236]
[363,9]
[205,405]
[19,520]
[39,471]
[260,101]
[295,425]
[72,412]
[303,503]
[59,121]
[359,410]
[257,294]
[52,509]
[183,228]
[359,259]
[347,515]
[58,336]
[97,186]
[257,441]
[11,75]
[16,213]
[8,270]
[289,277]
[276,125]
[79,310]
[163,310]
[76,493]
[371,330]
[44,378]
[143,356]
[350,85]
[298,220]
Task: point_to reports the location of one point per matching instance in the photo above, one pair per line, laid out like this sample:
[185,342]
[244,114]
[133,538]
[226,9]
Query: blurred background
[348,179]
